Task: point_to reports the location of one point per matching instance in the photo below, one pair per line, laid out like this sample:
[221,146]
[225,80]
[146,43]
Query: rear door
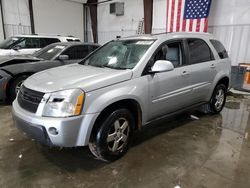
[202,68]
[170,91]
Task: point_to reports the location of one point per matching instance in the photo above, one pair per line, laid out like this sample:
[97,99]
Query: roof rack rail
[161,33]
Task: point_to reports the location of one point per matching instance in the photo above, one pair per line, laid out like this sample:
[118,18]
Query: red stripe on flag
[198,25]
[205,25]
[167,16]
[184,25]
[172,16]
[178,16]
[191,25]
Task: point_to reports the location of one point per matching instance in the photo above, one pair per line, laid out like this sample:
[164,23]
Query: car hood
[4,52]
[88,78]
[17,59]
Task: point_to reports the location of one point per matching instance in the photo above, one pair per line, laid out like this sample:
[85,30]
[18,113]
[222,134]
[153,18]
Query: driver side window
[27,43]
[170,52]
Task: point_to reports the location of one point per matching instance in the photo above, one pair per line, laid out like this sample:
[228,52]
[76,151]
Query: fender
[136,89]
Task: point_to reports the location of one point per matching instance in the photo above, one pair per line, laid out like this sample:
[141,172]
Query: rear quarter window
[219,48]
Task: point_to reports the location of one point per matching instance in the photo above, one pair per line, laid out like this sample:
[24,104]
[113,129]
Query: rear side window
[77,52]
[47,41]
[219,48]
[199,51]
[92,48]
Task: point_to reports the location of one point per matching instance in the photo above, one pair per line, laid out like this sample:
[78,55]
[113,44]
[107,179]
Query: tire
[217,100]
[112,138]
[15,86]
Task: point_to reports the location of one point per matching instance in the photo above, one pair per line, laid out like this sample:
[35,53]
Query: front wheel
[217,100]
[112,138]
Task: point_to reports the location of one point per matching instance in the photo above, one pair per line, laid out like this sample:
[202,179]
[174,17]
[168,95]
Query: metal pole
[31,17]
[85,13]
[1,7]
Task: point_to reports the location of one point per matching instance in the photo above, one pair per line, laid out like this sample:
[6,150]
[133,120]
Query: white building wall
[110,26]
[229,21]
[16,17]
[159,16]
[58,17]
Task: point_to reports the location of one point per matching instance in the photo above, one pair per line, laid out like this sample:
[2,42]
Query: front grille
[29,99]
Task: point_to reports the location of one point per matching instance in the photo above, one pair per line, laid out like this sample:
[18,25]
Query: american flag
[187,15]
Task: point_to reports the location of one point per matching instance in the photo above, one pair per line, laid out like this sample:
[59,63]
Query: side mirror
[63,57]
[162,66]
[16,48]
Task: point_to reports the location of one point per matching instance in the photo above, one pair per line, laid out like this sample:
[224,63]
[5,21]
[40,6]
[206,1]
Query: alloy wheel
[18,86]
[219,99]
[118,135]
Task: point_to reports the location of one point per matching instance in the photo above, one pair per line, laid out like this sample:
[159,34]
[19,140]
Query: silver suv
[120,88]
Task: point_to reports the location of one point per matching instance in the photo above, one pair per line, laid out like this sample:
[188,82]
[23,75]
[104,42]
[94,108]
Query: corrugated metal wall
[105,36]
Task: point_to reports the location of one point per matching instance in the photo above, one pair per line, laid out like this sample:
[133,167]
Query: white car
[28,44]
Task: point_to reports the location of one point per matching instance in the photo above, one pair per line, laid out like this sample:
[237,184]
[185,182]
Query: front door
[170,91]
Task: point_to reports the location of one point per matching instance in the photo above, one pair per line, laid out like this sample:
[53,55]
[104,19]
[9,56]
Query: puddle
[232,105]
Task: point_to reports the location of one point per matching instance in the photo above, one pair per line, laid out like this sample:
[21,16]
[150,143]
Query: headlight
[64,103]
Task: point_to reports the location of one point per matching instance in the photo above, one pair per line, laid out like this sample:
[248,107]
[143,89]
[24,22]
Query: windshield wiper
[100,66]
[118,68]
[106,66]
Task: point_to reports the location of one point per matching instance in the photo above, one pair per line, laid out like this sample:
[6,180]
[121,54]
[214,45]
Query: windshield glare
[10,42]
[49,52]
[119,54]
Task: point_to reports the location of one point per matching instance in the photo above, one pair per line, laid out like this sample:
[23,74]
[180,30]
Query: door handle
[184,73]
[212,66]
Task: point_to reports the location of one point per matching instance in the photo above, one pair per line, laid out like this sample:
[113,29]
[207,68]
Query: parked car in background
[15,69]
[28,44]
[124,85]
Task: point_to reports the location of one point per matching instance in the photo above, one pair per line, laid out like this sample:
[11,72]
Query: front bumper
[71,131]
[4,79]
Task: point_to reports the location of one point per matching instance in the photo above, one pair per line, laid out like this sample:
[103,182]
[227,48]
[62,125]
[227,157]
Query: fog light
[53,130]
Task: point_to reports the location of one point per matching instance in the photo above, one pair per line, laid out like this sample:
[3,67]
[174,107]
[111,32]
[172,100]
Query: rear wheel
[112,138]
[15,86]
[217,100]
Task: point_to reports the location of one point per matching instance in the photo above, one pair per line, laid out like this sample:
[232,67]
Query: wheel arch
[224,80]
[131,104]
[15,77]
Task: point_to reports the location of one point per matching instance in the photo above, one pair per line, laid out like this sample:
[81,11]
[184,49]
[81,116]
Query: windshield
[119,54]
[49,52]
[10,42]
